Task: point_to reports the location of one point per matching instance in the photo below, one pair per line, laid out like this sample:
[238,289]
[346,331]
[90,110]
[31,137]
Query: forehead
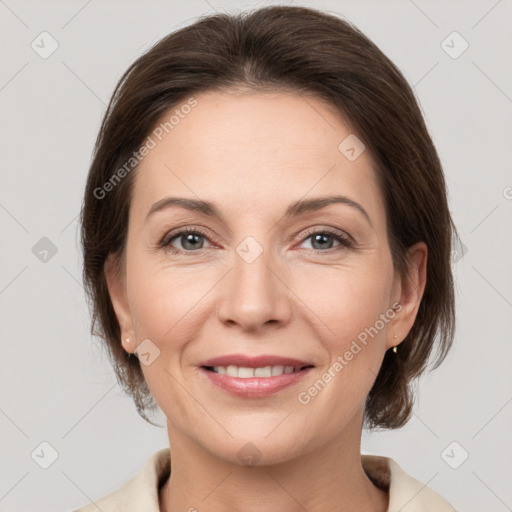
[252,150]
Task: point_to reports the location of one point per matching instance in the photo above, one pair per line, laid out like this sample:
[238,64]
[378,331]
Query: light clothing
[140,493]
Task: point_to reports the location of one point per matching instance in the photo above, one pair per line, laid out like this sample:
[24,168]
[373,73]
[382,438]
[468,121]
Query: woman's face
[315,285]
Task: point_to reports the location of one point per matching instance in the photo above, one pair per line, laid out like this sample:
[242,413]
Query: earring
[127,340]
[395,348]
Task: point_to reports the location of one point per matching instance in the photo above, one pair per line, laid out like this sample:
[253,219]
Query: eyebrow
[294,209]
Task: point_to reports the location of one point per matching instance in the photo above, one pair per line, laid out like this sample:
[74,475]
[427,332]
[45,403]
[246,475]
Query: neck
[330,477]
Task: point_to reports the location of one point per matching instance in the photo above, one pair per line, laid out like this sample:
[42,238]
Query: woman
[229,154]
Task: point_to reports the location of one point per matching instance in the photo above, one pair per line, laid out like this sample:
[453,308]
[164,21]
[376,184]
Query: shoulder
[406,494]
[138,493]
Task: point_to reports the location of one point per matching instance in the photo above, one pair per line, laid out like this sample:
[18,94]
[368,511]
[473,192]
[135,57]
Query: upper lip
[241,360]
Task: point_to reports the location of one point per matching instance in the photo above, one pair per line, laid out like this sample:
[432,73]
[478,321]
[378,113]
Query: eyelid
[179,231]
[327,229]
[346,242]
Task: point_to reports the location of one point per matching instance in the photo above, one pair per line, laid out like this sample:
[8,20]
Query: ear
[116,284]
[410,290]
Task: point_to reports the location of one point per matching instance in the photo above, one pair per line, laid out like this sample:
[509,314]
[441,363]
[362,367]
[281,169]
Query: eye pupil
[319,237]
[189,238]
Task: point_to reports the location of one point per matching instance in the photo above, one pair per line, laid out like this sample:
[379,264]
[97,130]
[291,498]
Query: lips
[254,377]
[244,361]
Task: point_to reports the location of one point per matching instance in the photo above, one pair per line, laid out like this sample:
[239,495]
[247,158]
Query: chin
[257,450]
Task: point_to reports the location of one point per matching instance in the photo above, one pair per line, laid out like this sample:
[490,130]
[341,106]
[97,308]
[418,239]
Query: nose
[254,294]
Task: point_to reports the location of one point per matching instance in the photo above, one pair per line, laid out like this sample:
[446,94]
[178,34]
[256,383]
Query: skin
[252,154]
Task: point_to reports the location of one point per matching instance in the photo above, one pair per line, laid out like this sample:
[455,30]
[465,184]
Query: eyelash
[345,242]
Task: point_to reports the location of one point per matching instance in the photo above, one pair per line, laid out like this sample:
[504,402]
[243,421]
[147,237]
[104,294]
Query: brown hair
[305,51]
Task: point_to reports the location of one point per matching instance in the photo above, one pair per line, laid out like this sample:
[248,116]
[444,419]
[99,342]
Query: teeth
[262,372]
[278,370]
[231,371]
[247,373]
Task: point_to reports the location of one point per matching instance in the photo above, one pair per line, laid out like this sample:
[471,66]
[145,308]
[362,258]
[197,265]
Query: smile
[247,373]
[254,382]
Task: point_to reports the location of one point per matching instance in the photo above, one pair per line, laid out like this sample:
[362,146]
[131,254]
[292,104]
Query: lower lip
[255,387]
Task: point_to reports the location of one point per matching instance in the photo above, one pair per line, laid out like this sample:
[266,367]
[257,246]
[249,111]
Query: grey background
[56,384]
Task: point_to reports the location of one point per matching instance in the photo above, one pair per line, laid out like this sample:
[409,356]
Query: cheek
[163,300]
[164,305]
[348,300]
[352,304]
